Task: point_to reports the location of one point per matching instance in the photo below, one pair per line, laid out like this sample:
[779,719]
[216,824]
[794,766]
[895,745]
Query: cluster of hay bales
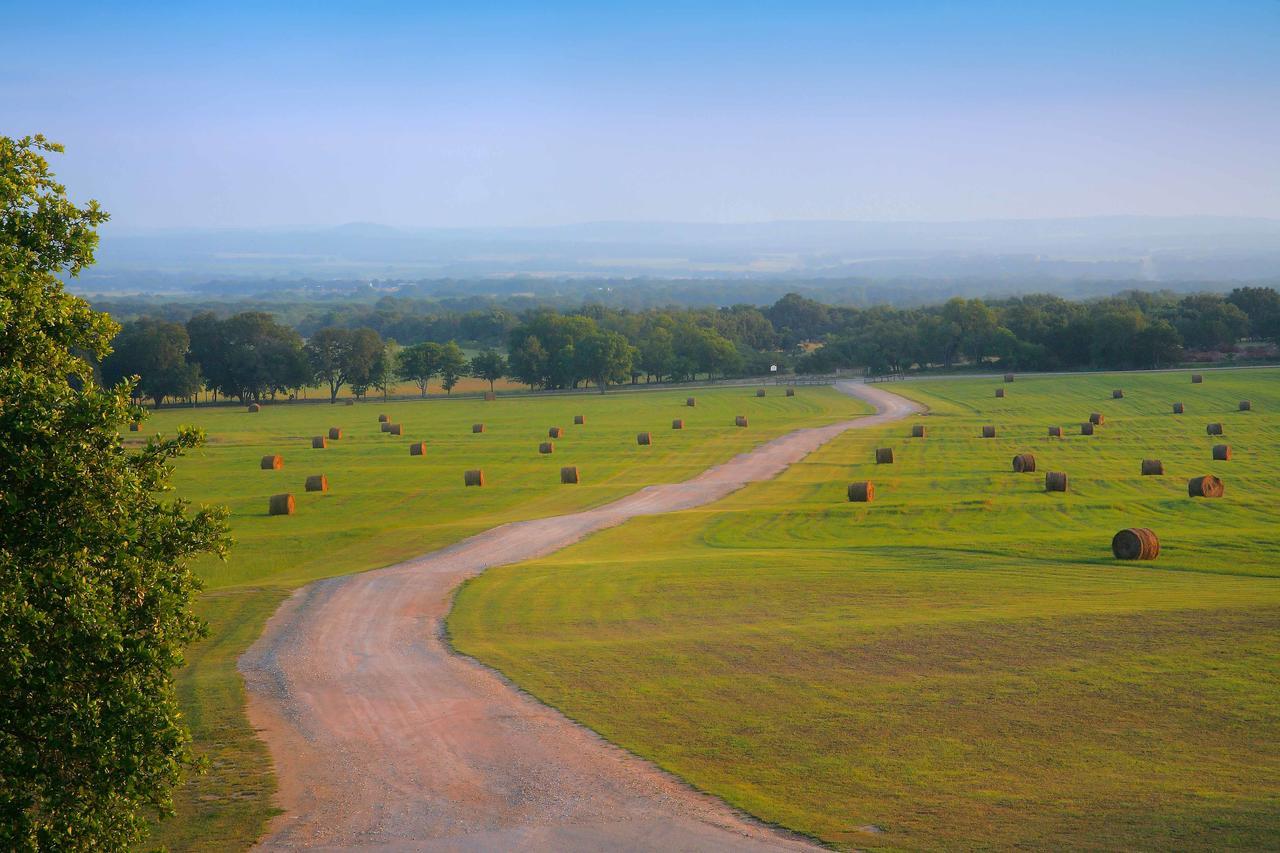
[863,491]
[1135,543]
[555,432]
[1222,452]
[740,420]
[317,483]
[477,428]
[569,475]
[1207,486]
[335,433]
[418,448]
[319,442]
[281,505]
[884,455]
[1055,481]
[989,431]
[678,423]
[1152,467]
[917,431]
[547,447]
[473,477]
[999,392]
[272,462]
[644,439]
[1024,463]
[579,419]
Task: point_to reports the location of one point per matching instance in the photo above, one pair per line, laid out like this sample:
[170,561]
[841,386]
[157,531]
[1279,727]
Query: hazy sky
[416,114]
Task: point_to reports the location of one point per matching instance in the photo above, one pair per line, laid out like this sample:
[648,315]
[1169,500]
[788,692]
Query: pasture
[960,663]
[384,505]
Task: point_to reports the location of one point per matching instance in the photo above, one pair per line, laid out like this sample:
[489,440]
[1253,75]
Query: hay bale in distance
[280,505]
[1214,429]
[579,419]
[254,407]
[1097,419]
[396,429]
[1086,428]
[759,392]
[317,483]
[350,403]
[1207,486]
[1055,432]
[1024,463]
[569,475]
[1008,377]
[547,447]
[863,491]
[1135,543]
[1152,467]
[555,432]
[1055,481]
[384,419]
[917,431]
[791,392]
[644,438]
[385,426]
[135,426]
[477,428]
[490,396]
[740,420]
[319,442]
[418,448]
[1246,405]
[678,423]
[474,477]
[884,455]
[989,431]
[1222,452]
[1196,379]
[1117,394]
[999,392]
[691,402]
[335,433]
[272,462]
[1178,408]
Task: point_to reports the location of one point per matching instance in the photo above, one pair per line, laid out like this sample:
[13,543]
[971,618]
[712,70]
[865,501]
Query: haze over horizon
[232,116]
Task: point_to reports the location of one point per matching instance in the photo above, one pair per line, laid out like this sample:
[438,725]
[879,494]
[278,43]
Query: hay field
[961,663]
[384,505]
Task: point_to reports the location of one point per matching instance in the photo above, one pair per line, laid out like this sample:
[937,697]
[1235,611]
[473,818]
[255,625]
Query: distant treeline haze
[252,355]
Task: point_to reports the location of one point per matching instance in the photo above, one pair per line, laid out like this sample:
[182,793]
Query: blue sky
[231,115]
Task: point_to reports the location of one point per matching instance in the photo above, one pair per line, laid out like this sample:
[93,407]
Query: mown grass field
[385,506]
[961,664]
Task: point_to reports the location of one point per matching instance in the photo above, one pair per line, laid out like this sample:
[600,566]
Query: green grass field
[960,664]
[385,506]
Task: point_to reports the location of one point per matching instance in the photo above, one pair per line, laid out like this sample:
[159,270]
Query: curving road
[383,737]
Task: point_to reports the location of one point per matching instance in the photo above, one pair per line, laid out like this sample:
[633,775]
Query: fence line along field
[361,498]
[962,661]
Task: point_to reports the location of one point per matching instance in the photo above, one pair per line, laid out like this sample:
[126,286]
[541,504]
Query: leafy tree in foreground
[155,351]
[95,593]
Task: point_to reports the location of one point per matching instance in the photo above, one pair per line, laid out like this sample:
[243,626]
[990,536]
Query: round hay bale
[917,431]
[579,419]
[1207,486]
[350,403]
[863,491]
[1024,463]
[1117,394]
[1178,408]
[490,396]
[280,505]
[384,419]
[884,455]
[385,426]
[1152,467]
[999,392]
[988,431]
[1135,543]
[317,483]
[644,438]
[475,428]
[1246,405]
[319,442]
[555,432]
[569,475]
[1086,428]
[791,392]
[135,426]
[1196,379]
[474,477]
[690,402]
[678,423]
[396,429]
[1214,429]
[1008,377]
[1055,481]
[1097,419]
[759,392]
[547,447]
[273,462]
[418,448]
[335,433]
[1055,432]
[1222,452]
[740,420]
[254,407]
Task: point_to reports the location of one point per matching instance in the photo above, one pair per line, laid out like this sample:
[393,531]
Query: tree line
[252,355]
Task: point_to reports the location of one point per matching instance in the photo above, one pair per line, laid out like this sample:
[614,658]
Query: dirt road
[383,737]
